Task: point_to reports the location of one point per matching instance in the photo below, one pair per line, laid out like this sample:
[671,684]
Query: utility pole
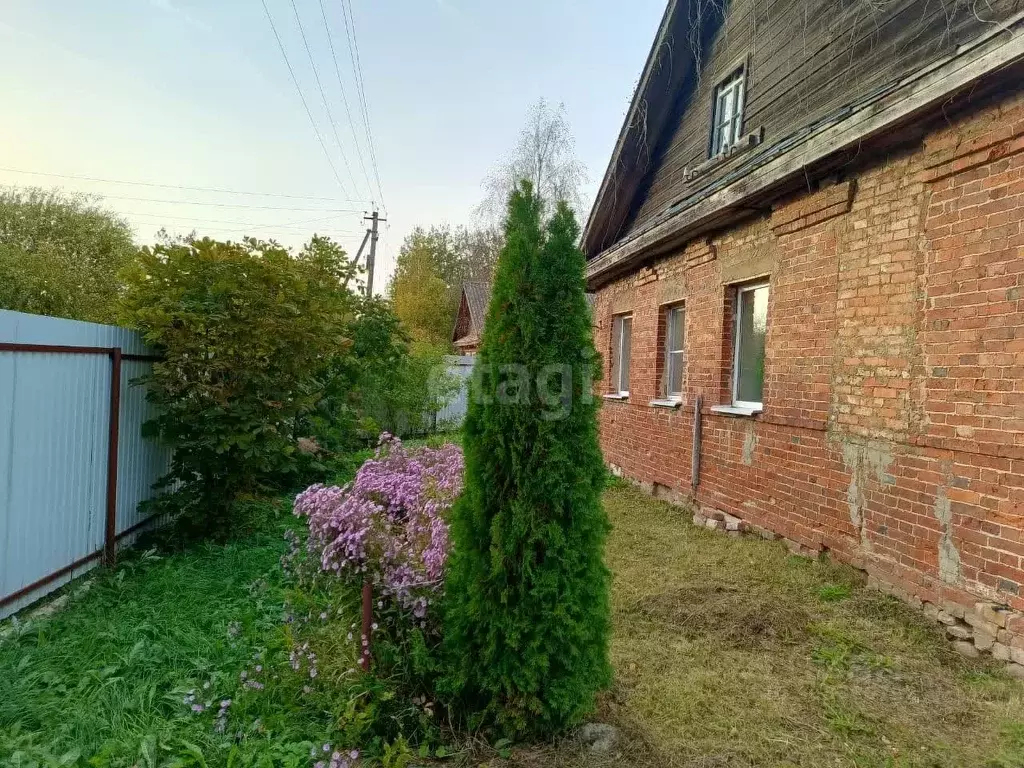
[372,258]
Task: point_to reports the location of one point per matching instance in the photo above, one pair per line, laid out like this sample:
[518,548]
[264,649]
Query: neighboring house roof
[478,296]
[939,57]
[469,323]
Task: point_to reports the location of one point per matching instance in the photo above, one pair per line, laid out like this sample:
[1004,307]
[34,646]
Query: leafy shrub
[60,254]
[527,612]
[254,341]
[399,383]
[387,526]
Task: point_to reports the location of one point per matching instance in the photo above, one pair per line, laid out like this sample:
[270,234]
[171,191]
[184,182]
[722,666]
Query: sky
[197,94]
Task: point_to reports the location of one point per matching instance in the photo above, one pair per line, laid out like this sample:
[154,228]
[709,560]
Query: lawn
[115,678]
[732,652]
[728,652]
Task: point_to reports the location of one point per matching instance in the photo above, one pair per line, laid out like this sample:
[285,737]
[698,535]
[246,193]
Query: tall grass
[109,678]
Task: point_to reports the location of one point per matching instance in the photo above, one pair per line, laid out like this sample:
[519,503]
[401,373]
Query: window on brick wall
[674,372]
[727,112]
[750,329]
[622,330]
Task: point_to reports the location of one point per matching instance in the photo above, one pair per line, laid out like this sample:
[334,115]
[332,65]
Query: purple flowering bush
[389,525]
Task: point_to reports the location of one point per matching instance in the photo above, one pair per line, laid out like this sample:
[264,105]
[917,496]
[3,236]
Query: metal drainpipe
[695,452]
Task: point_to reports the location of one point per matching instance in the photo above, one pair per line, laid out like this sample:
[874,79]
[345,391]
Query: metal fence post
[110,537]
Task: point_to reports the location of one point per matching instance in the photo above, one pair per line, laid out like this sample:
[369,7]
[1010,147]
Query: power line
[302,98]
[320,87]
[181,186]
[231,230]
[230,205]
[353,50]
[301,223]
[344,98]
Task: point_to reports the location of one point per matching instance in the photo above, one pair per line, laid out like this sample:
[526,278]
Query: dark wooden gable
[805,60]
[476,294]
[463,321]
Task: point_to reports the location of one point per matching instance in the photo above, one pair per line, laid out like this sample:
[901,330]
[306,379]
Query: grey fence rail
[73,463]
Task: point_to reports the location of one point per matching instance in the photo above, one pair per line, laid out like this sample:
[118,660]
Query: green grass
[436,440]
[731,652]
[105,679]
[728,652]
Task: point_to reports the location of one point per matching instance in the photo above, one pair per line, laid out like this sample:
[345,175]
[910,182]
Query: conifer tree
[527,619]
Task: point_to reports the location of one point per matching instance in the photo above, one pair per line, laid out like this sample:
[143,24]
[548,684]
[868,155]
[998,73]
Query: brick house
[808,257]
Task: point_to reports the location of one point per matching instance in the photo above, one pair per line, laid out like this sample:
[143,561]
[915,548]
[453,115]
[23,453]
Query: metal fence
[453,413]
[73,464]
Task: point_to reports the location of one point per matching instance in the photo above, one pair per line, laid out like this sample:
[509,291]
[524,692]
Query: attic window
[727,112]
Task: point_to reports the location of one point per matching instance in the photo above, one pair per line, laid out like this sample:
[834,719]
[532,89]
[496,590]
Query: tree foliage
[431,267]
[527,594]
[60,255]
[421,298]
[250,336]
[545,155]
[398,384]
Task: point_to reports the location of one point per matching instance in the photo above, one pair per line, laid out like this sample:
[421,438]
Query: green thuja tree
[527,617]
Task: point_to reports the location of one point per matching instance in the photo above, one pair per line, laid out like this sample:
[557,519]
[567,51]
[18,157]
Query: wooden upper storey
[803,61]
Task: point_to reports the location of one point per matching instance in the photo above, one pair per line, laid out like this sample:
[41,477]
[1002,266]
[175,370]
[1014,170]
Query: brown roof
[478,296]
[469,324]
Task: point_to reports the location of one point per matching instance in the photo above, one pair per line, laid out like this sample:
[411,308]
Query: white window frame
[738,316]
[680,311]
[617,346]
[730,98]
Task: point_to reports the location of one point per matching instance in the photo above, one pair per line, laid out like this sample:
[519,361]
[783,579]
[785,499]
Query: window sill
[736,410]
[745,143]
[666,403]
[617,396]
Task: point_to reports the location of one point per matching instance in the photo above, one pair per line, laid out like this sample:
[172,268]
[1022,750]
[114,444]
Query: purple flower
[389,523]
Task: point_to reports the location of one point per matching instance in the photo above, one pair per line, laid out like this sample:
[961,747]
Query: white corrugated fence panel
[54,429]
[454,412]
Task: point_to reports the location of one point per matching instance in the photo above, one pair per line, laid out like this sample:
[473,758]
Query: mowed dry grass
[732,652]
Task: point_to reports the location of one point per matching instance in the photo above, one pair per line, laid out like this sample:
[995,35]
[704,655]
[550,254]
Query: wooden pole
[364,657]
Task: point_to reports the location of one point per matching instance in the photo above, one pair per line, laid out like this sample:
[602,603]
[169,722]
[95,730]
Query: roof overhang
[773,170]
[666,80]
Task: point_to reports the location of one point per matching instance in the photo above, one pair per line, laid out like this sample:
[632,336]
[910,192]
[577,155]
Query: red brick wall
[893,423]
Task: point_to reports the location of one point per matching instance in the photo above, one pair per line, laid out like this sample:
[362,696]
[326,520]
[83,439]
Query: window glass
[621,332]
[627,333]
[751,327]
[675,351]
[727,121]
